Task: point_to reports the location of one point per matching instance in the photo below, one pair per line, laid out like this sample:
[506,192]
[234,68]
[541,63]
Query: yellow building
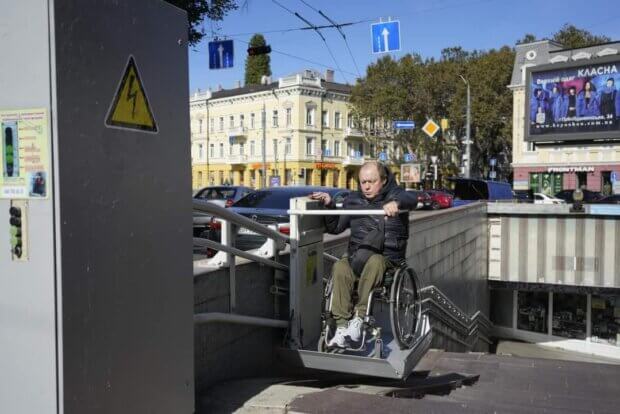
[309,135]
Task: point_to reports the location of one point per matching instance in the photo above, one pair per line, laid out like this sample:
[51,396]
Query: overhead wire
[314,27]
[339,28]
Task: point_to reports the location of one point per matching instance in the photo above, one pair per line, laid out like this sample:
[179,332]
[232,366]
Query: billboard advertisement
[573,101]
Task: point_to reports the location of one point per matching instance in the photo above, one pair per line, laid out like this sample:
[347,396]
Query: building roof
[541,53]
[249,89]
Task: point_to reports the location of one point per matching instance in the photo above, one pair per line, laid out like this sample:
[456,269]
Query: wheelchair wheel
[405,309]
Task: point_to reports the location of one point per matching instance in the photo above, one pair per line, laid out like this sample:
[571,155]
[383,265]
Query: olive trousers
[343,279]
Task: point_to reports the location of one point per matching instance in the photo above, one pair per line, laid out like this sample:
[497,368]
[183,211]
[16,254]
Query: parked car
[588,196]
[424,199]
[523,196]
[542,198]
[440,199]
[269,206]
[223,196]
[467,190]
[611,199]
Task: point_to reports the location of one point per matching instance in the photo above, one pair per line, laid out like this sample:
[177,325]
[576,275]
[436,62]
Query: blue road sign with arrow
[403,125]
[385,37]
[221,54]
[382,156]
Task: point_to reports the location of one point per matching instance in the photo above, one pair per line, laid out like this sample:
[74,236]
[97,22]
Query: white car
[540,198]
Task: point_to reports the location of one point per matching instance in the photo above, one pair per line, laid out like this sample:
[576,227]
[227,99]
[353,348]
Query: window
[533,310]
[221,150]
[336,148]
[200,152]
[241,148]
[274,119]
[221,123]
[200,126]
[241,120]
[360,149]
[350,121]
[211,150]
[310,116]
[230,149]
[287,146]
[372,150]
[252,121]
[324,148]
[606,185]
[324,119]
[569,315]
[606,319]
[231,121]
[337,120]
[252,148]
[582,179]
[289,114]
[309,146]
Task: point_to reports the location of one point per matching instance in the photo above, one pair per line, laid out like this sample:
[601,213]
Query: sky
[427,27]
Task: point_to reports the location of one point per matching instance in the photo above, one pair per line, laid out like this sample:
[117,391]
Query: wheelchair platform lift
[386,353]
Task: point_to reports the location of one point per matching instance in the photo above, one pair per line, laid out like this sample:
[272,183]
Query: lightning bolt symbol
[132,95]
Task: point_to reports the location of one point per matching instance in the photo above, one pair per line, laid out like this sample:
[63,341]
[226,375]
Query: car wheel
[435,206]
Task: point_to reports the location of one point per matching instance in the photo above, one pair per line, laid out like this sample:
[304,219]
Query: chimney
[329,75]
[237,84]
[219,87]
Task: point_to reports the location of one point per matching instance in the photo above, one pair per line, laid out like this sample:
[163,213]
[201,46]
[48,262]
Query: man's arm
[333,224]
[406,200]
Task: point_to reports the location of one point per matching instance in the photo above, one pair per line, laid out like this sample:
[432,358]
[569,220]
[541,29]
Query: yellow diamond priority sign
[430,128]
[130,108]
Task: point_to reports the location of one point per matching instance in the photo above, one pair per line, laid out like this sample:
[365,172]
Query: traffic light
[16,231]
[259,50]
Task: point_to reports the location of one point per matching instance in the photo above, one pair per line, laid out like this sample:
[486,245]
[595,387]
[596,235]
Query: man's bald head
[376,166]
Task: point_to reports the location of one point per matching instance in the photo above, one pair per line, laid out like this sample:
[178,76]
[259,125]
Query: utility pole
[468,138]
[264,125]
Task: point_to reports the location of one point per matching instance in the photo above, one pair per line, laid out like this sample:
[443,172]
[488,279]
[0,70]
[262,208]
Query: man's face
[610,83]
[370,182]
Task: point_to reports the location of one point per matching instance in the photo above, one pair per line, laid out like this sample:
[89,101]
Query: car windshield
[276,199]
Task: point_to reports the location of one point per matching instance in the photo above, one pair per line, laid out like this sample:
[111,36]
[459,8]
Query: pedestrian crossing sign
[130,108]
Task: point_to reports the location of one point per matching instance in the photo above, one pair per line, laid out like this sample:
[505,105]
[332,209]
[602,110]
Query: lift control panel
[18,230]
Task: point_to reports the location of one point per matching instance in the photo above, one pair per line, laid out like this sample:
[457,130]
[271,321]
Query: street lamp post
[468,138]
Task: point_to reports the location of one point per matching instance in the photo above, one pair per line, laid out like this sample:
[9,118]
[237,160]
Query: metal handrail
[239,220]
[229,249]
[340,212]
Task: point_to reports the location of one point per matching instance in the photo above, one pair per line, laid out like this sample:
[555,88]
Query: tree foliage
[420,89]
[198,10]
[258,65]
[572,38]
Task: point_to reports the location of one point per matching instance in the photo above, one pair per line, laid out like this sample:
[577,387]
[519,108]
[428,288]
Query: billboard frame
[571,136]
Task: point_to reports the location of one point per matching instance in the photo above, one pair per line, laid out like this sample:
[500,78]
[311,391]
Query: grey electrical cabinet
[96,284]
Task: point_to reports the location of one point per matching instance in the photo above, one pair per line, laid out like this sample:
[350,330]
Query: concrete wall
[447,249]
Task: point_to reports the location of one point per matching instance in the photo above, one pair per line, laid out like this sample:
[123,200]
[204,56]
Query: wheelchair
[398,294]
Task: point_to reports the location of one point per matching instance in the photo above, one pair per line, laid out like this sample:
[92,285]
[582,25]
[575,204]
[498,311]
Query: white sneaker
[339,339]
[354,330]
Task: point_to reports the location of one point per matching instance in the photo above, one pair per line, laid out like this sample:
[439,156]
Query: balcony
[240,131]
[353,160]
[353,133]
[236,159]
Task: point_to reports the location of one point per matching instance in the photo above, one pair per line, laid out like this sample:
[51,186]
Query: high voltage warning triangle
[130,108]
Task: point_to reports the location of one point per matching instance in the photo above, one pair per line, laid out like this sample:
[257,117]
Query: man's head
[373,177]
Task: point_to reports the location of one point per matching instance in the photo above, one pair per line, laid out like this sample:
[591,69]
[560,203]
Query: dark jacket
[396,228]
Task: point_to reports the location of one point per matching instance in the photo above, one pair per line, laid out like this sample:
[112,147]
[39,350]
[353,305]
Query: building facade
[302,123]
[573,156]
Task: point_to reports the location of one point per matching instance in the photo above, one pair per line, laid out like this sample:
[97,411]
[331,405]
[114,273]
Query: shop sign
[259,166]
[570,169]
[324,165]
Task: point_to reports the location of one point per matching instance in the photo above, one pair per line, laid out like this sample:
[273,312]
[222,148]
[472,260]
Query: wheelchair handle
[340,212]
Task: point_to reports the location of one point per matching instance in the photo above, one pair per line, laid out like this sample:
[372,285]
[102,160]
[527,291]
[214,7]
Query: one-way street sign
[385,37]
[403,125]
[221,54]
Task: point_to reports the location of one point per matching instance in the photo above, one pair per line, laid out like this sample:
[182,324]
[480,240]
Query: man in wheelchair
[376,245]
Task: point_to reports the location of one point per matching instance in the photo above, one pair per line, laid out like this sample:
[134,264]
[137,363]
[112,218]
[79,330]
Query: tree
[197,10]
[258,65]
[571,37]
[528,38]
